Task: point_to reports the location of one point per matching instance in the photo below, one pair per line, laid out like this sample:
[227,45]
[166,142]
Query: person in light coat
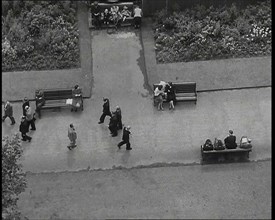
[72,136]
[8,112]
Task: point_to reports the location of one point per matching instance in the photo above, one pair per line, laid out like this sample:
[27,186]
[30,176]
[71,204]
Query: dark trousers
[119,124]
[11,118]
[97,22]
[113,129]
[128,145]
[104,114]
[137,22]
[25,136]
[31,122]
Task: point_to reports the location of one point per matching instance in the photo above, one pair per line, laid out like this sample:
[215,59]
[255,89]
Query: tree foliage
[39,35]
[13,178]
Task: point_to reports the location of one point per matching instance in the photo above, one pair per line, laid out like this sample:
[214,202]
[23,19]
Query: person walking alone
[24,129]
[29,117]
[8,112]
[137,16]
[106,111]
[72,137]
[125,138]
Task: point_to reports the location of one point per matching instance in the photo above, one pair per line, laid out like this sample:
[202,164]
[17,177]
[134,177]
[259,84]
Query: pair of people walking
[115,117]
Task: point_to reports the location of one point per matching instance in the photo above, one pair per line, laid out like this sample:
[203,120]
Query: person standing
[72,136]
[96,13]
[8,112]
[125,138]
[30,118]
[113,124]
[26,102]
[119,118]
[158,93]
[39,101]
[24,129]
[106,111]
[230,141]
[171,95]
[137,16]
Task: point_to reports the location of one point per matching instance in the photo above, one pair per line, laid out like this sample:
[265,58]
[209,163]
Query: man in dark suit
[106,111]
[113,124]
[125,138]
[230,141]
[8,112]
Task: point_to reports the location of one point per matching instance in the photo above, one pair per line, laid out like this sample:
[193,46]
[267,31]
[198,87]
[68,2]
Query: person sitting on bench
[125,13]
[76,98]
[230,141]
[106,16]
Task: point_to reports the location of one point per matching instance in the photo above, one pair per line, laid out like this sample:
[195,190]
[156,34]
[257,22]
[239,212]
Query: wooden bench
[56,98]
[185,91]
[225,155]
[128,21]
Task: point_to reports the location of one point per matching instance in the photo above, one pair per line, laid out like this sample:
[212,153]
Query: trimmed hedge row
[202,33]
[41,35]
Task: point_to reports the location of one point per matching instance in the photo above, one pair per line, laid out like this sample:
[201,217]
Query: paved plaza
[158,137]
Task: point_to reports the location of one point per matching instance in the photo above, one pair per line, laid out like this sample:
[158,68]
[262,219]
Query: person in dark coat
[119,118]
[125,138]
[26,102]
[113,124]
[96,13]
[39,101]
[8,112]
[230,141]
[106,111]
[171,95]
[24,129]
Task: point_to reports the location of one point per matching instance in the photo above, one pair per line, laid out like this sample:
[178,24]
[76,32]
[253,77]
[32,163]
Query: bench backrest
[183,87]
[129,5]
[55,94]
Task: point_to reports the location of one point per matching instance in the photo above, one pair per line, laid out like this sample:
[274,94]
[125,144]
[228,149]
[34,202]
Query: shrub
[213,33]
[13,178]
[41,31]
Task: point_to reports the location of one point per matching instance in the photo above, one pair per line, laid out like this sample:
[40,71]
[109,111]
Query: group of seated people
[165,91]
[113,16]
[229,143]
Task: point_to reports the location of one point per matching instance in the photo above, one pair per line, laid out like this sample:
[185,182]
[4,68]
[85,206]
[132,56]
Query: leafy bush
[37,34]
[203,33]
[13,178]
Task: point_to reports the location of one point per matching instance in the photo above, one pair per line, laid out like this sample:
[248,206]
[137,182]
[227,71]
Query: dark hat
[230,132]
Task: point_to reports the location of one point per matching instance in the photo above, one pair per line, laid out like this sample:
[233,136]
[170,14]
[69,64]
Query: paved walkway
[158,137]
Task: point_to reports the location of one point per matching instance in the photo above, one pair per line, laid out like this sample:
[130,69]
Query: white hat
[26,107]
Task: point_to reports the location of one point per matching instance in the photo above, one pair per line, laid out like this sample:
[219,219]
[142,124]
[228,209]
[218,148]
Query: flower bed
[40,35]
[202,33]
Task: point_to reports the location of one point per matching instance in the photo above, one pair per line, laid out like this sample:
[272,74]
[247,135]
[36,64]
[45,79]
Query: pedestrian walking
[8,112]
[72,136]
[125,138]
[30,118]
[26,102]
[106,110]
[113,124]
[119,118]
[24,129]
